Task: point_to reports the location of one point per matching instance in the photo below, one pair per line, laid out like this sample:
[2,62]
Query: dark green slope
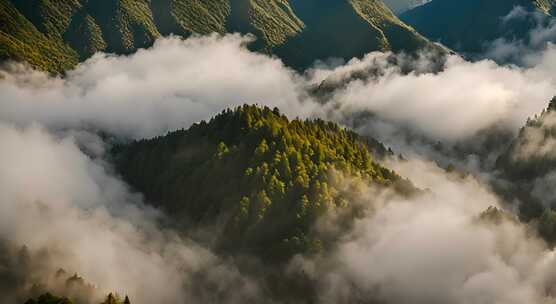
[300,32]
[264,178]
[332,29]
[272,21]
[184,17]
[466,26]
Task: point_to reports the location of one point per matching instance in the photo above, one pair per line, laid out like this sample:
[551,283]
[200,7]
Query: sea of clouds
[58,192]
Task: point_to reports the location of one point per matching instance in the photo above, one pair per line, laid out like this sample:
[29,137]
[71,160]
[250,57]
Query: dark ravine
[469,26]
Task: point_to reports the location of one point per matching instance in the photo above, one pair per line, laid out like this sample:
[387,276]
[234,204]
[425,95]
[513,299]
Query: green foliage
[201,16]
[398,35]
[50,17]
[126,25]
[275,21]
[21,40]
[346,29]
[267,177]
[85,36]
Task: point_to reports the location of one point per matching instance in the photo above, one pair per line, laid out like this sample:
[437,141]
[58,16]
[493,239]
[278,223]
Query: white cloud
[169,86]
[537,142]
[433,248]
[524,49]
[54,197]
[452,104]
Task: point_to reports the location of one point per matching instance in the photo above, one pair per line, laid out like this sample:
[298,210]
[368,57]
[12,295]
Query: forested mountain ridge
[530,154]
[528,167]
[265,178]
[55,35]
[469,26]
[25,278]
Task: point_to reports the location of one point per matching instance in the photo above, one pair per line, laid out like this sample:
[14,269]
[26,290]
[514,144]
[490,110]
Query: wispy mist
[525,50]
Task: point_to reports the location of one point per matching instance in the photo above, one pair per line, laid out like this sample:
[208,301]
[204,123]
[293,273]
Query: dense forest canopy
[266,177]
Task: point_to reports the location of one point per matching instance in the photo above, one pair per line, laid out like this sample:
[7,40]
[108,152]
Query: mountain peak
[267,178]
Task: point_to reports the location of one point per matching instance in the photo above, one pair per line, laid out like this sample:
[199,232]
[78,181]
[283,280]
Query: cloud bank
[178,82]
[453,104]
[169,86]
[525,50]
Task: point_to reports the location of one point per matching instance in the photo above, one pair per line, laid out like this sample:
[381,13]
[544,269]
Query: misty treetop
[266,177]
[530,154]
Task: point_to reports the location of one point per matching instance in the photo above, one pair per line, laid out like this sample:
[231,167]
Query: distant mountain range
[56,35]
[470,26]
